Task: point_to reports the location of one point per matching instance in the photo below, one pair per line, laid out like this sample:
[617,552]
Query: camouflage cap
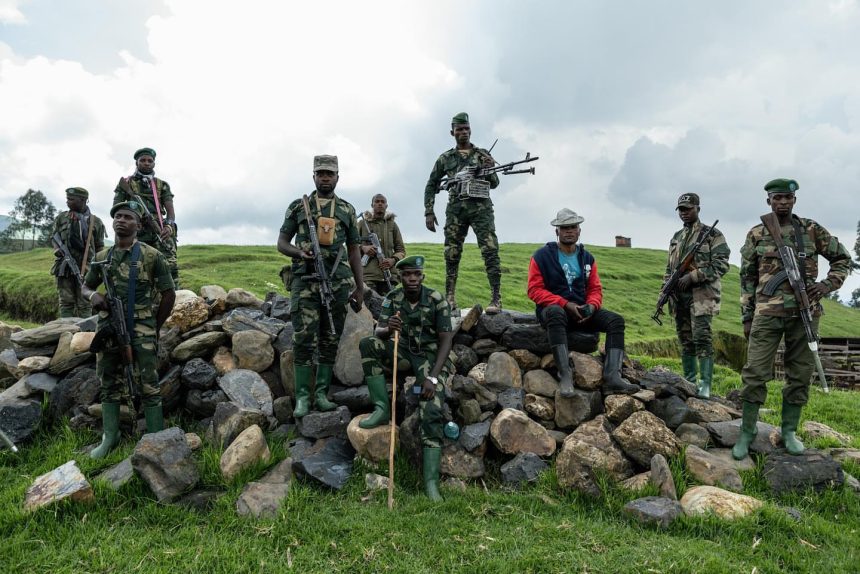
[781,185]
[688,200]
[325,163]
[566,217]
[132,206]
[461,118]
[411,262]
[144,151]
[77,192]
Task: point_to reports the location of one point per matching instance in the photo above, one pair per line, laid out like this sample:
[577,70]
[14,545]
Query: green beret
[131,206]
[78,192]
[781,185]
[461,118]
[325,163]
[144,151]
[688,200]
[411,262]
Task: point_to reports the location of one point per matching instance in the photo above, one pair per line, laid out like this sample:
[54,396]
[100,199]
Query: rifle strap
[772,225]
[801,252]
[154,189]
[338,259]
[132,287]
[331,205]
[87,245]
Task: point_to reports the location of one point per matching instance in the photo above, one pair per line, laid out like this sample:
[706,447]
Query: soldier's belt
[474,189]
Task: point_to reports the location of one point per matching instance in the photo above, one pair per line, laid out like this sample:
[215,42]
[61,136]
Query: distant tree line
[33,219]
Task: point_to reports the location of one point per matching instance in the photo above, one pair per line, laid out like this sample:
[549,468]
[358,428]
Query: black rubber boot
[612,381]
[565,371]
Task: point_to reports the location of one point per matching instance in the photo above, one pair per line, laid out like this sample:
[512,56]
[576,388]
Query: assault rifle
[117,331]
[669,288]
[148,220]
[320,275]
[791,270]
[68,261]
[470,183]
[374,240]
[7,441]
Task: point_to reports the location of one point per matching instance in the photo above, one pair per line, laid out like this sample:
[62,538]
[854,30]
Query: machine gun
[469,182]
[670,286]
[374,240]
[68,261]
[791,271]
[320,275]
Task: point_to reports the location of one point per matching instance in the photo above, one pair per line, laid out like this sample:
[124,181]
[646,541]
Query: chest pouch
[474,189]
[326,225]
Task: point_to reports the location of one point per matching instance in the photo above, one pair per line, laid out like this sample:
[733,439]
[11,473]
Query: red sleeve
[594,290]
[538,293]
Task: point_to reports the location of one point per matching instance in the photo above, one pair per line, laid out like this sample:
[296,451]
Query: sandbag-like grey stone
[165,463]
[665,382]
[20,418]
[661,477]
[486,347]
[238,297]
[41,382]
[619,407]
[465,358]
[576,409]
[540,407]
[118,475]
[284,340]
[514,432]
[202,404]
[525,467]
[45,335]
[66,481]
[588,449]
[78,389]
[539,382]
[711,470]
[525,359]
[246,319]
[703,500]
[248,389]
[356,399]
[262,499]
[474,436]
[457,461]
[319,424]
[347,364]
[65,358]
[654,510]
[230,420]
[198,374]
[531,337]
[493,325]
[278,306]
[727,433]
[690,433]
[328,462]
[253,350]
[283,409]
[372,444]
[469,411]
[643,435]
[707,411]
[201,345]
[672,410]
[512,399]
[812,469]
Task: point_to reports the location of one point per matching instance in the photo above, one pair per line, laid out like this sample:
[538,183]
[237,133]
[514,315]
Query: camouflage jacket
[449,163]
[760,261]
[345,233]
[68,226]
[127,187]
[389,236]
[711,263]
[421,324]
[153,277]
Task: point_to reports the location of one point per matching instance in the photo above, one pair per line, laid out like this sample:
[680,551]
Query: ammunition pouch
[103,339]
[474,189]
[326,230]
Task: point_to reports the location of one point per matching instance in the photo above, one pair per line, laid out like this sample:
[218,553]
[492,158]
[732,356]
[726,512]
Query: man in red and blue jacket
[565,286]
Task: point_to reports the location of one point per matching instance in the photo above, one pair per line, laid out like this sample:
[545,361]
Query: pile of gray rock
[227,365]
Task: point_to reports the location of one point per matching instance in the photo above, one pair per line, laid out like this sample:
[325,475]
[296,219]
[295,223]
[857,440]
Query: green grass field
[540,528]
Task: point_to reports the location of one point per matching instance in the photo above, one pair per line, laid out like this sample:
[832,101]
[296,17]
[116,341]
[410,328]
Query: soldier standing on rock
[335,217]
[698,294]
[423,318]
[82,232]
[770,318]
[380,221]
[464,212]
[564,284]
[137,272]
[158,228]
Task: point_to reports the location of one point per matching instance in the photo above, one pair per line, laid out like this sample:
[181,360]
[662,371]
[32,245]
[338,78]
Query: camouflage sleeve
[166,194]
[443,316]
[56,227]
[99,234]
[718,261]
[94,275]
[161,277]
[399,246]
[353,237]
[749,278]
[119,194]
[432,187]
[831,249]
[291,224]
[493,178]
[385,312]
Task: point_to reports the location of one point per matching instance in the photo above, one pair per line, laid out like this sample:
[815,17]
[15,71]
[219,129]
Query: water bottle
[451,430]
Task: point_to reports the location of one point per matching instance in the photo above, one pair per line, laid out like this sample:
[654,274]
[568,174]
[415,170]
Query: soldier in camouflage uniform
[81,231]
[423,318]
[698,293]
[460,214]
[381,222]
[155,194]
[769,319]
[153,278]
[312,331]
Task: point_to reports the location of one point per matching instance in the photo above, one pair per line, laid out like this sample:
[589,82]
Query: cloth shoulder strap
[132,286]
[331,210]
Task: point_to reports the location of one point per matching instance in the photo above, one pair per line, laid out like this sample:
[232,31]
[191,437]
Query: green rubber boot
[432,460]
[154,418]
[379,395]
[321,392]
[303,390]
[110,430]
[706,370]
[748,431]
[688,363]
[790,420]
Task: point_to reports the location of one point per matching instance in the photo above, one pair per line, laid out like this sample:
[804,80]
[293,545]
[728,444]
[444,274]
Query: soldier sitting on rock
[566,289]
[423,318]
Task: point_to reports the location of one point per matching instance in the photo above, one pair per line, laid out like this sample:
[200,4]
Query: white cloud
[10,12]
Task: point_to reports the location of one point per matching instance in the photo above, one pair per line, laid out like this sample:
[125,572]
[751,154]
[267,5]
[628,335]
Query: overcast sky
[628,105]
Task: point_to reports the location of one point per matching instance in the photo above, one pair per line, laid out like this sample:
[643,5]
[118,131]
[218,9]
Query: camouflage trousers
[111,373]
[72,303]
[167,247]
[694,331]
[799,363]
[311,327]
[376,352]
[477,213]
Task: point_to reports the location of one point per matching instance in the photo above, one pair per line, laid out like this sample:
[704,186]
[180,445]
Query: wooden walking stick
[391,436]
[87,247]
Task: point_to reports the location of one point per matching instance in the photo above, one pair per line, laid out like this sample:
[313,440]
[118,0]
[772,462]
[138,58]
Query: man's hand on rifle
[431,222]
[368,250]
[685,282]
[166,231]
[387,263]
[306,254]
[747,329]
[817,291]
[487,162]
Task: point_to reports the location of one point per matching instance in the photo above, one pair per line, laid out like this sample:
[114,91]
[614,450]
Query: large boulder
[458,462]
[812,469]
[654,510]
[576,409]
[78,389]
[643,435]
[503,372]
[65,358]
[202,404]
[188,314]
[318,424]
[245,319]
[372,444]
[514,432]
[712,470]
[202,345]
[727,505]
[813,430]
[525,359]
[726,434]
[672,410]
[539,382]
[165,463]
[64,482]
[589,371]
[525,467]
[238,297]
[531,337]
[247,389]
[253,350]
[347,364]
[248,449]
[230,420]
[707,411]
[198,374]
[45,335]
[20,418]
[619,407]
[328,462]
[587,449]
